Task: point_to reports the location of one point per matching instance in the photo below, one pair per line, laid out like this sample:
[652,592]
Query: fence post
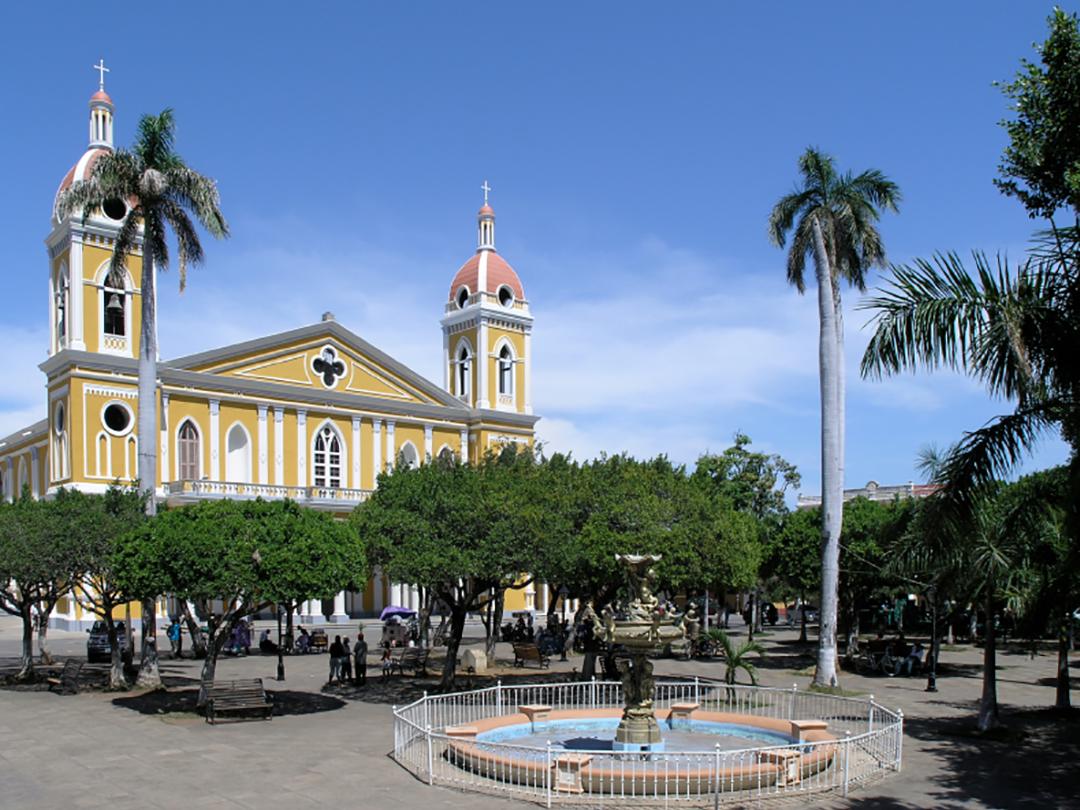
[430,759]
[899,739]
[847,757]
[697,690]
[592,693]
[791,707]
[870,711]
[427,711]
[547,773]
[498,697]
[397,723]
[716,777]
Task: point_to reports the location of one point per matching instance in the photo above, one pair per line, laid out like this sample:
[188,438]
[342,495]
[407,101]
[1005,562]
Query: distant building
[875,492]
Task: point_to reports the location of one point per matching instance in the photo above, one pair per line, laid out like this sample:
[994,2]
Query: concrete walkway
[330,749]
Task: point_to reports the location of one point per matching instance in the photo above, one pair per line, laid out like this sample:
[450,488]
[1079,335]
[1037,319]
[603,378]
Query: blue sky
[635,151]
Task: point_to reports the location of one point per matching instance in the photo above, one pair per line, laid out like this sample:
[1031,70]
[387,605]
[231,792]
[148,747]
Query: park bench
[412,658]
[529,652]
[248,696]
[320,642]
[68,681]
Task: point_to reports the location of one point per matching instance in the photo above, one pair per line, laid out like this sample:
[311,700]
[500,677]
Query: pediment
[326,360]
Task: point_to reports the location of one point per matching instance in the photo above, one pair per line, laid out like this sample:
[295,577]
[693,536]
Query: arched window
[464,368]
[61,294]
[59,451]
[408,457]
[506,371]
[187,451]
[114,304]
[237,455]
[327,458]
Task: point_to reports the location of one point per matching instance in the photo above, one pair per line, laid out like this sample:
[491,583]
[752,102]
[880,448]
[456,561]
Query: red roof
[486,211]
[89,158]
[499,272]
[101,95]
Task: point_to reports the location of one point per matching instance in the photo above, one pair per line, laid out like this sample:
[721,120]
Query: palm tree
[162,191]
[735,658]
[832,217]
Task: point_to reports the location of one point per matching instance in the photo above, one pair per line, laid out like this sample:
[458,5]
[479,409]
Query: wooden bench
[529,652]
[226,697]
[68,681]
[411,658]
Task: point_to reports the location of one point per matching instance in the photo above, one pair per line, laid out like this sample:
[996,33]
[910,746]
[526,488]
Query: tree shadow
[1030,762]
[184,701]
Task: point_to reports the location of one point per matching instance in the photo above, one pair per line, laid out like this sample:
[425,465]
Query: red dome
[486,211]
[101,95]
[80,171]
[495,270]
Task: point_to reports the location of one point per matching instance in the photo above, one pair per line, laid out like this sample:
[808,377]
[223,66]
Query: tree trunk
[198,643]
[149,674]
[26,661]
[219,635]
[802,624]
[988,707]
[148,422]
[425,617]
[117,681]
[43,636]
[453,644]
[1062,699]
[753,616]
[832,479]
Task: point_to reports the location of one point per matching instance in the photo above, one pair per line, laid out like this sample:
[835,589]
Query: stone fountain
[637,623]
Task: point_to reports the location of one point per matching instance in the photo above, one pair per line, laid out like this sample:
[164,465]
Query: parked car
[795,618]
[97,643]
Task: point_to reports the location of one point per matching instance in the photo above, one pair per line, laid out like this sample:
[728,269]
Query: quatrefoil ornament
[328,365]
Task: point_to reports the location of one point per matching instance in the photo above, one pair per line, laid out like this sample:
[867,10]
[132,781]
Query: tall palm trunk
[149,674]
[988,706]
[832,488]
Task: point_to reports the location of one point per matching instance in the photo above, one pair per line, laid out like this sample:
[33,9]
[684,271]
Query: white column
[34,471]
[262,444]
[545,594]
[464,446]
[428,430]
[376,450]
[482,371]
[279,445]
[446,360]
[164,452]
[339,608]
[356,484]
[215,429]
[301,448]
[527,360]
[9,480]
[391,447]
[76,319]
[395,594]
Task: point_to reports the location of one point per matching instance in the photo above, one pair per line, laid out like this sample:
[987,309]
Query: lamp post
[280,652]
[931,675]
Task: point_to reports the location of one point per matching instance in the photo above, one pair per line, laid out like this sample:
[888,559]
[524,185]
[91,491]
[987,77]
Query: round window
[114,208]
[506,296]
[462,297]
[117,417]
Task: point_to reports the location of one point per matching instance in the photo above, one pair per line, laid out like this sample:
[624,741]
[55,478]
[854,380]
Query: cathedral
[313,414]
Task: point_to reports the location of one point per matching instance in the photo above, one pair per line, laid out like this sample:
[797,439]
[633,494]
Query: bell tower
[92,308]
[487,328]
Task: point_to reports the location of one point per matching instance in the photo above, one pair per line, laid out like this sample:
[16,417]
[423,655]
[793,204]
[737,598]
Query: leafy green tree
[832,217]
[464,531]
[40,558]
[1041,164]
[164,193]
[233,558]
[796,556]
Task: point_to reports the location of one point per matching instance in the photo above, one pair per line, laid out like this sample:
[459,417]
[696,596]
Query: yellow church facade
[313,414]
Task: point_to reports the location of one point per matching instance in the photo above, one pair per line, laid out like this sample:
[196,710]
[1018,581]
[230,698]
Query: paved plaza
[330,748]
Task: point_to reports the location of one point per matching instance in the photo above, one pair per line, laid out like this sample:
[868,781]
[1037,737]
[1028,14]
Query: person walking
[360,660]
[346,661]
[336,651]
[176,638]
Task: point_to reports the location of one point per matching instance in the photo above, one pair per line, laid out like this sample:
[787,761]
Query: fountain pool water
[598,734]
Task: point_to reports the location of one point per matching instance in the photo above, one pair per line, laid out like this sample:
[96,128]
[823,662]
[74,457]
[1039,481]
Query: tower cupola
[101,113]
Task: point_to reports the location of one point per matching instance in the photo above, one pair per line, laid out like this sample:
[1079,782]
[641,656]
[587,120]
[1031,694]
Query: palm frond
[127,240]
[189,248]
[802,245]
[784,212]
[190,189]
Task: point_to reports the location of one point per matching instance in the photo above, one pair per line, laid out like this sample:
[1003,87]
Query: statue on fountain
[637,623]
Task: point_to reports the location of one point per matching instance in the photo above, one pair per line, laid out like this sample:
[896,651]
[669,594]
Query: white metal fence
[867,743]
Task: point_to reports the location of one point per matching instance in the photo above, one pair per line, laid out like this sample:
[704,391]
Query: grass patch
[836,690]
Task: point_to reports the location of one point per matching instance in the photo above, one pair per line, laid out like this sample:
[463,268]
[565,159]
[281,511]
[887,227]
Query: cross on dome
[485,188]
[102,70]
